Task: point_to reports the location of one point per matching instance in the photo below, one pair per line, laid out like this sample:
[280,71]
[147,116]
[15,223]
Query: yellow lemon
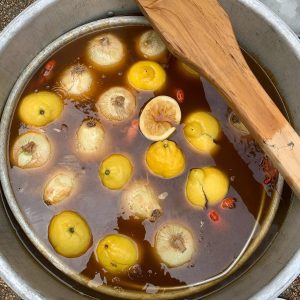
[146,75]
[117,253]
[39,109]
[115,171]
[189,70]
[165,159]
[206,185]
[201,130]
[69,234]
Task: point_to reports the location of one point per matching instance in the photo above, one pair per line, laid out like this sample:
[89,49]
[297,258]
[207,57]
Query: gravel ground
[10,9]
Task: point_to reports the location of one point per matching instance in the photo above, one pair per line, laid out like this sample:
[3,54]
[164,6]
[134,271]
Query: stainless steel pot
[266,39]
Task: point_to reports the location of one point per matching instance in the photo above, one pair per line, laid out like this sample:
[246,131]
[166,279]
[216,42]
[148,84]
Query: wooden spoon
[200,33]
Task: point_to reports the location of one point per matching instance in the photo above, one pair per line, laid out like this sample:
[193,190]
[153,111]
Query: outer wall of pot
[259,32]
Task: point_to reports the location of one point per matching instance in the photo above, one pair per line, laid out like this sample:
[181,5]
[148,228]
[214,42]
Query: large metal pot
[264,36]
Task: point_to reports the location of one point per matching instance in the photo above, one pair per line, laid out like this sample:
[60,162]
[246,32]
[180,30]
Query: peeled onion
[150,45]
[116,104]
[140,201]
[77,81]
[174,244]
[59,187]
[105,51]
[31,150]
[90,137]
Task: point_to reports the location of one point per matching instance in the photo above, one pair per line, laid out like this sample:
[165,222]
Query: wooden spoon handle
[200,33]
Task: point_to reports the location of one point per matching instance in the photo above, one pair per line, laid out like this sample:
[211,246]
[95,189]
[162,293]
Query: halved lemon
[159,118]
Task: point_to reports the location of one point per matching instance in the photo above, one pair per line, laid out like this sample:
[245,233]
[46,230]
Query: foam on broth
[218,243]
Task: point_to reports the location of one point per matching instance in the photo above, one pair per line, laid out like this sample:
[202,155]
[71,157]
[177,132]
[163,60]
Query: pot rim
[8,33]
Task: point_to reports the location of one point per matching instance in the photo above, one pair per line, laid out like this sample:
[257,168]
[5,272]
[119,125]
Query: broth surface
[218,243]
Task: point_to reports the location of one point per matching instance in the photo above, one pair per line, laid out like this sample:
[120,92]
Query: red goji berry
[214,216]
[180,95]
[228,203]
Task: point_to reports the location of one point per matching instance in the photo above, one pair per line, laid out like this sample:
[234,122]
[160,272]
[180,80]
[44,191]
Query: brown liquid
[219,243]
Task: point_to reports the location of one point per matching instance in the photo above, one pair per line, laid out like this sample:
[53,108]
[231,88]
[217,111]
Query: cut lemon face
[41,108]
[159,118]
[69,234]
[117,253]
[165,159]
[115,171]
[201,130]
[206,186]
[146,75]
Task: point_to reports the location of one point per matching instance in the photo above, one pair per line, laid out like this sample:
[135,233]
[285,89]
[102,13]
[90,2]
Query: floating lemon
[117,253]
[201,130]
[188,70]
[115,171]
[206,185]
[165,159]
[39,109]
[146,75]
[69,234]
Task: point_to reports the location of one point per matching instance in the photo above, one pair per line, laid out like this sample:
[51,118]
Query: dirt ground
[10,9]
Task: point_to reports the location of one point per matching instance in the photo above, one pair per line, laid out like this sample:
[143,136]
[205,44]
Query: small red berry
[214,216]
[180,95]
[228,203]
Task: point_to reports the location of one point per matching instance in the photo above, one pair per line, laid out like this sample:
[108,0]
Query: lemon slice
[159,118]
[41,108]
[146,75]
